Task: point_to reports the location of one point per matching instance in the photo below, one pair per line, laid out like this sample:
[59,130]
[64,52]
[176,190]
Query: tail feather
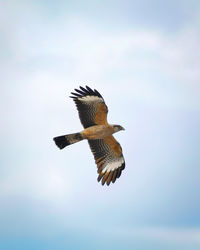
[65,140]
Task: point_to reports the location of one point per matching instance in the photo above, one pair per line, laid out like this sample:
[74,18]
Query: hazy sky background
[144,58]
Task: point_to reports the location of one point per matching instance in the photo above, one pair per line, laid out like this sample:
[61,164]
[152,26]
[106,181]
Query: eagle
[105,148]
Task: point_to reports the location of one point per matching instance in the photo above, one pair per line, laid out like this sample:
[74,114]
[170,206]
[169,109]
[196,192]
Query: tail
[65,140]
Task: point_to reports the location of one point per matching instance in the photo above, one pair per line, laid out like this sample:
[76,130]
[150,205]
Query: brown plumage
[106,150]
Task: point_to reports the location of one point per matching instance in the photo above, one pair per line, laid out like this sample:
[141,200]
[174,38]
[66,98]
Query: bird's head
[118,128]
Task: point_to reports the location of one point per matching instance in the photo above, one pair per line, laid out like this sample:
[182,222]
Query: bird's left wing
[108,157]
[91,106]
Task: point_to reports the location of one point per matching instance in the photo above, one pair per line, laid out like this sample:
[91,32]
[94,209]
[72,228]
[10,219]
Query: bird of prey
[93,116]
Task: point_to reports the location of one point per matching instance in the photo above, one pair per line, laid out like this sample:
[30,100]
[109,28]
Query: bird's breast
[97,132]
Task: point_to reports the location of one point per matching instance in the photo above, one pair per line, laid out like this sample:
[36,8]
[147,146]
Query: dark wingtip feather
[84,92]
[73,93]
[103,182]
[79,91]
[99,177]
[97,92]
[114,176]
[105,178]
[81,88]
[109,178]
[89,89]
[119,173]
[122,166]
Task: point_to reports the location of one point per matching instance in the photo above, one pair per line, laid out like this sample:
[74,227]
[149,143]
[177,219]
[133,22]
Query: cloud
[155,237]
[38,182]
[79,51]
[181,55]
[181,235]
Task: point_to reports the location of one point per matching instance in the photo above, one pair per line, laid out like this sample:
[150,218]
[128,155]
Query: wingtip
[84,91]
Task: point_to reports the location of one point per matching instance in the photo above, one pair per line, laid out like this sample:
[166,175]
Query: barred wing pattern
[91,106]
[109,159]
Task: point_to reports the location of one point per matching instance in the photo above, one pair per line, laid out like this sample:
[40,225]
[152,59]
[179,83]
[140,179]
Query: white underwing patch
[90,98]
[111,166]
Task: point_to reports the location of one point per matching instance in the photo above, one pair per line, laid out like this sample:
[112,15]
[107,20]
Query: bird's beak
[123,128]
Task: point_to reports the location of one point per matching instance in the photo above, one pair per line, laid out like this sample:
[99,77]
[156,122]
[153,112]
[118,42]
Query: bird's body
[93,115]
[98,132]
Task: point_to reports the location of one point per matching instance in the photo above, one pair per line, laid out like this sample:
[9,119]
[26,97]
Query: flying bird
[93,116]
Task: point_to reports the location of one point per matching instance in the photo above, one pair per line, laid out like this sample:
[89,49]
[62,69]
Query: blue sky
[143,57]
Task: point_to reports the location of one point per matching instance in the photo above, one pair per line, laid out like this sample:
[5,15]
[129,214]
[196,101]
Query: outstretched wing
[108,157]
[91,106]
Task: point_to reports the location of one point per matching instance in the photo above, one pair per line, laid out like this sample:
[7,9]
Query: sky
[144,58]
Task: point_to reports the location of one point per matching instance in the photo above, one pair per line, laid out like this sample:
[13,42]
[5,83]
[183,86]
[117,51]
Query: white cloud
[181,55]
[77,52]
[167,235]
[80,51]
[181,235]
[37,182]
